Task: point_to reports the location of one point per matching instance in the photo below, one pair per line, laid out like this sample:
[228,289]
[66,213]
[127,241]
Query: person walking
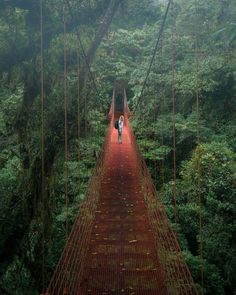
[120,128]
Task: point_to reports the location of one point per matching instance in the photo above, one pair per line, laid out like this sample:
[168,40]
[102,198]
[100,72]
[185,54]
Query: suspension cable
[153,56]
[198,142]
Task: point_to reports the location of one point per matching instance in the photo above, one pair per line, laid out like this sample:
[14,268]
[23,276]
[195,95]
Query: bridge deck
[122,256]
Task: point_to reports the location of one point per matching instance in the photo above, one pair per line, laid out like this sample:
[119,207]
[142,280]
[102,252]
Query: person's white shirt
[120,125]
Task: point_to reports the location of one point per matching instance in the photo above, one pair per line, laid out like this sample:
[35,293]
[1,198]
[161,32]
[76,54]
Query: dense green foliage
[124,53]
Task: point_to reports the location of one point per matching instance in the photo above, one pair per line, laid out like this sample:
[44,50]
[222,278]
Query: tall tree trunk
[102,30]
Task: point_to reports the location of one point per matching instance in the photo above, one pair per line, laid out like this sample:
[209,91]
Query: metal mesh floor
[122,256]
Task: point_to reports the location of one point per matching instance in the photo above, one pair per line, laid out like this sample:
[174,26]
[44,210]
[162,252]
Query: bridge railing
[68,273]
[177,276]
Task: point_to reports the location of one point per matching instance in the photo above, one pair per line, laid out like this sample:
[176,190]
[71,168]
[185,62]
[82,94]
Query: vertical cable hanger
[66,117]
[173,113]
[85,93]
[42,139]
[162,125]
[65,85]
[155,121]
[78,116]
[198,142]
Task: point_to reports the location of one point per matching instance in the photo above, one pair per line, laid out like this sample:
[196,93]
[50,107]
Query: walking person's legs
[119,137]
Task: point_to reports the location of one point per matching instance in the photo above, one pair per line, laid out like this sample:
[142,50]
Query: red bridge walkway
[122,242]
[122,256]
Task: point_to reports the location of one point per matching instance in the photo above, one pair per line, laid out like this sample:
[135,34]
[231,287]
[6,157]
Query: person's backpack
[117,124]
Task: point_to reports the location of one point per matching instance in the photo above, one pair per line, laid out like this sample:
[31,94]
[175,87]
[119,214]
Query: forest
[185,124]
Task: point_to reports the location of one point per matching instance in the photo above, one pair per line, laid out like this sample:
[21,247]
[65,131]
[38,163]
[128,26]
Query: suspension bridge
[122,241]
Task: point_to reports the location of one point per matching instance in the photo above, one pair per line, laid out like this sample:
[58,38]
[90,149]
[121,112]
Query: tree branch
[102,30]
